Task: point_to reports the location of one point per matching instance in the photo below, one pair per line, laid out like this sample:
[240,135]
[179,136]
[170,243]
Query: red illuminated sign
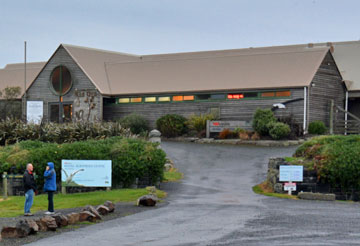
[235,96]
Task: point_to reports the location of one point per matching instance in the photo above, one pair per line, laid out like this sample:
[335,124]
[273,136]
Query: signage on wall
[219,125]
[34,111]
[291,173]
[86,173]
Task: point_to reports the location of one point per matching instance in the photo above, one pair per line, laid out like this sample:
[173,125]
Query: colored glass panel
[268,94]
[150,99]
[177,98]
[136,99]
[124,100]
[283,93]
[189,98]
[164,99]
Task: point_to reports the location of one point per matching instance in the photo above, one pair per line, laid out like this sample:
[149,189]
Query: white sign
[34,112]
[291,173]
[290,186]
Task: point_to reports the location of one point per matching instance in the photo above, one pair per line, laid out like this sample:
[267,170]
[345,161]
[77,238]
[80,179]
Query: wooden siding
[327,85]
[40,89]
[229,110]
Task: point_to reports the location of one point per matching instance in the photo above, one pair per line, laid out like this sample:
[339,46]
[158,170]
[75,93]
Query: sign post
[289,174]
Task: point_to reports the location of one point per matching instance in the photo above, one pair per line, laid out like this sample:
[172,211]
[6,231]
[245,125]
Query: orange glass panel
[177,98]
[136,99]
[283,93]
[268,94]
[189,98]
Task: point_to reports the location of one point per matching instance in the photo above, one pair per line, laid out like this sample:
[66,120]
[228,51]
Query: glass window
[217,97]
[250,94]
[268,94]
[61,80]
[178,98]
[136,99]
[283,93]
[124,100]
[189,98]
[150,99]
[164,99]
[203,97]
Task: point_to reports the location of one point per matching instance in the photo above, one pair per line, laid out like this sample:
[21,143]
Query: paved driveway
[214,205]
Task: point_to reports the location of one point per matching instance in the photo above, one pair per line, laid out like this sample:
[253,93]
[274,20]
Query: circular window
[61,80]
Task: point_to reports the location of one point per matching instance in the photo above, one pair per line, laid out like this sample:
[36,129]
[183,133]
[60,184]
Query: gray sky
[167,26]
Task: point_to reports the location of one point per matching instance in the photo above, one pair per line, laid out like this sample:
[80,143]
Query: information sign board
[291,173]
[34,111]
[220,125]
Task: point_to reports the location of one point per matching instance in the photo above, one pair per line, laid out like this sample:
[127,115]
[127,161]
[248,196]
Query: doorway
[66,112]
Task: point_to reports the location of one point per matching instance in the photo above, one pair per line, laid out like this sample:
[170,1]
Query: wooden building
[84,84]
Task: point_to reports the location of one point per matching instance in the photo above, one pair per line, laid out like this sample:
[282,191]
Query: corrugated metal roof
[13,75]
[253,68]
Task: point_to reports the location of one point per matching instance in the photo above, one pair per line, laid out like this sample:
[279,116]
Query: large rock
[41,225]
[316,196]
[73,218]
[33,225]
[147,200]
[92,210]
[110,206]
[61,220]
[168,167]
[154,133]
[49,222]
[9,232]
[102,210]
[26,227]
[87,216]
[278,188]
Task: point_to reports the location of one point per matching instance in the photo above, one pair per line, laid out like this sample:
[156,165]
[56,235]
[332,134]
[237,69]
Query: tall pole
[24,107]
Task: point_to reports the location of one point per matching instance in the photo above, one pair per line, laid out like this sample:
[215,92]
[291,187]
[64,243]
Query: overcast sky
[167,26]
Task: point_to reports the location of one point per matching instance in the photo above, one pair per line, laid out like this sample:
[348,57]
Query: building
[84,84]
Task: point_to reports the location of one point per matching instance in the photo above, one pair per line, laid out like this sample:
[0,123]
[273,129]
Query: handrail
[344,111]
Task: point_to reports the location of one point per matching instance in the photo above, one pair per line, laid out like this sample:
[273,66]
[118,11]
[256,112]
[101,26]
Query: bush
[317,127]
[171,125]
[136,123]
[13,131]
[198,122]
[131,158]
[261,119]
[226,134]
[278,130]
[296,129]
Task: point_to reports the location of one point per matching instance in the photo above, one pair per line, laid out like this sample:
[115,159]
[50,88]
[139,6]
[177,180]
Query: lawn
[14,205]
[263,189]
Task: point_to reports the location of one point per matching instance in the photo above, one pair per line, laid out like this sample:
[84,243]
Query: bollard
[5,185]
[108,188]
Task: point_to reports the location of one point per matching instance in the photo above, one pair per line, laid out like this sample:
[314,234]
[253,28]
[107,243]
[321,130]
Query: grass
[14,205]
[173,175]
[264,189]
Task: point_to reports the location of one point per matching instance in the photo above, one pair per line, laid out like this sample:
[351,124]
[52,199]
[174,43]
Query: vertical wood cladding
[40,90]
[327,85]
[229,109]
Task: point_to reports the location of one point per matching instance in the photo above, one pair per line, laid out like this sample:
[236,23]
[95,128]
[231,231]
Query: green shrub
[198,122]
[136,123]
[278,130]
[171,125]
[131,158]
[261,119]
[317,127]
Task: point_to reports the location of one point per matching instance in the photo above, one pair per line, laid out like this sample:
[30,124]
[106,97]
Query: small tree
[262,118]
[9,96]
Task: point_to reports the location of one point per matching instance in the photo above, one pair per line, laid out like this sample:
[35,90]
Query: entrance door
[66,112]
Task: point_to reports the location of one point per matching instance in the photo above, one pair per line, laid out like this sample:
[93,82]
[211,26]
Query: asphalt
[214,205]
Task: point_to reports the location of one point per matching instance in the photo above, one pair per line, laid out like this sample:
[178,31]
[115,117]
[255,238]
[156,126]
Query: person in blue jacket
[50,186]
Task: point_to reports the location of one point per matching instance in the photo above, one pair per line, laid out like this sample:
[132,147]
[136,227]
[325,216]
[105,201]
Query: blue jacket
[50,178]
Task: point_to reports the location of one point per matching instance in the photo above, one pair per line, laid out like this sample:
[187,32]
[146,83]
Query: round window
[61,80]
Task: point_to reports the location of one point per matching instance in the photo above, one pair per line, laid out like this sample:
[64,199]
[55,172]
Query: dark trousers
[51,201]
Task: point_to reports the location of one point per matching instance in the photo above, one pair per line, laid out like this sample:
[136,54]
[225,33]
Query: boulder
[9,232]
[41,225]
[168,167]
[73,218]
[316,196]
[278,188]
[87,216]
[33,225]
[154,133]
[110,206]
[49,222]
[92,210]
[102,210]
[26,227]
[61,220]
[147,200]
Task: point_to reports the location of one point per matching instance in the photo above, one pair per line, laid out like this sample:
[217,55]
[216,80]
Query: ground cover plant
[14,205]
[131,158]
[336,159]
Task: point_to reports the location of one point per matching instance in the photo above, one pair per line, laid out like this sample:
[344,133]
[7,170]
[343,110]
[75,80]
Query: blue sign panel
[291,173]
[86,173]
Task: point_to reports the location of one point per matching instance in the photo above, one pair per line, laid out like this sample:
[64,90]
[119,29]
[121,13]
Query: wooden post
[331,117]
[208,129]
[5,186]
[63,190]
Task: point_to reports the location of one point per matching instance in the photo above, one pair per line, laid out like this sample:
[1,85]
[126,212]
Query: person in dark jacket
[29,188]
[50,186]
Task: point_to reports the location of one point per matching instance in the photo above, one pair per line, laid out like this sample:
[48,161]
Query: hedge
[131,158]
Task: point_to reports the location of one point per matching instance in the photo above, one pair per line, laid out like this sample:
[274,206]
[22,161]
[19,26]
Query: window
[283,93]
[61,80]
[250,94]
[124,100]
[203,97]
[235,96]
[189,98]
[136,99]
[177,98]
[150,99]
[268,94]
[217,97]
[164,99]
